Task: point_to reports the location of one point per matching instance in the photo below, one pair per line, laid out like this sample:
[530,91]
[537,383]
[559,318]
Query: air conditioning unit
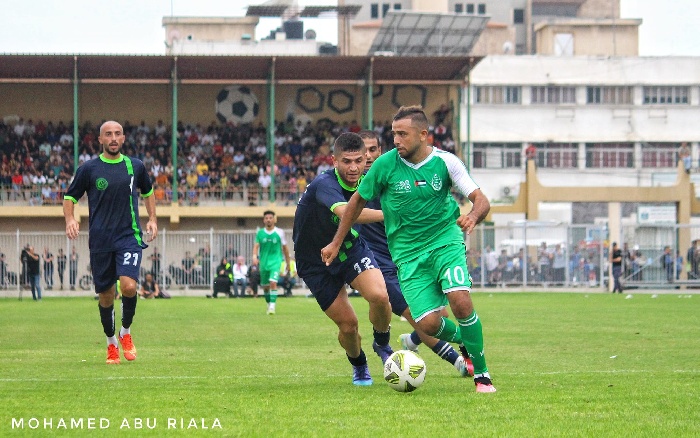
[510,191]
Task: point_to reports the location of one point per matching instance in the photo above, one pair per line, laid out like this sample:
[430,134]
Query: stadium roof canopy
[308,11]
[428,34]
[224,69]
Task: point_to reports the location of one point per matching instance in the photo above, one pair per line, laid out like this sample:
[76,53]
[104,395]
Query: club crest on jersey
[436,182]
[101,184]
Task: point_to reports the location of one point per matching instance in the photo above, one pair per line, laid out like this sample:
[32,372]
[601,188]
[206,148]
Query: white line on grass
[316,376]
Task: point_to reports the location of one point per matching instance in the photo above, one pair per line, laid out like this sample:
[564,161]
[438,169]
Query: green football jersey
[270,252]
[419,211]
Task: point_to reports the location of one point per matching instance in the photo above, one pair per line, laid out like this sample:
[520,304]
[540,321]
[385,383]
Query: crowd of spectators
[215,162]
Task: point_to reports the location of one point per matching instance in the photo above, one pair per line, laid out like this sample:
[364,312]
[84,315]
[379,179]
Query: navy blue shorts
[398,302]
[325,282]
[107,267]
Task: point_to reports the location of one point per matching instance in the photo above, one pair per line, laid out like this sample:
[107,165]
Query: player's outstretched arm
[152,224]
[480,208]
[72,225]
[352,211]
[367,215]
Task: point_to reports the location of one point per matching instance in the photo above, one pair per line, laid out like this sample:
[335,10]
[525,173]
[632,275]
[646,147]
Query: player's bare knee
[348,327]
[106,299]
[460,303]
[430,324]
[378,297]
[127,288]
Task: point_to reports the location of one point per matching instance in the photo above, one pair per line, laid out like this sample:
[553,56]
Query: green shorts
[267,276]
[426,279]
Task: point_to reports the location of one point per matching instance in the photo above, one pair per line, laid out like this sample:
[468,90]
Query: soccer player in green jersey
[424,228]
[268,251]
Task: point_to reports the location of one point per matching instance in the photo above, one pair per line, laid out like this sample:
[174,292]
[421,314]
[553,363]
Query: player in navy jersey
[112,183]
[315,224]
[375,236]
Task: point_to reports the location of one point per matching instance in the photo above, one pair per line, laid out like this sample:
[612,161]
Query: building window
[553,95]
[481,9]
[497,95]
[605,155]
[659,155]
[374,10]
[397,6]
[564,44]
[666,95]
[470,8]
[459,8]
[609,95]
[497,155]
[518,16]
[385,9]
[556,155]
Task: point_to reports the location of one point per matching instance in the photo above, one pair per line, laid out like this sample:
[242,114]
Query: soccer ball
[236,104]
[404,371]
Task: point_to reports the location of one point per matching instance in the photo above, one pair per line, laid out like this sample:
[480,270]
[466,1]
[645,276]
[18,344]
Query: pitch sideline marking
[269,376]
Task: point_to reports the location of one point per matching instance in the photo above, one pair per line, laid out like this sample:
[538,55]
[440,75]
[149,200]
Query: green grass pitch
[565,364]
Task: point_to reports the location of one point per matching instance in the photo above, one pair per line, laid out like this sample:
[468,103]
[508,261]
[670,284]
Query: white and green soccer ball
[404,371]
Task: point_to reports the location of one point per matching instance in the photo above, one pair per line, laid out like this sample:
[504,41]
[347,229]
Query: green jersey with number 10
[419,211]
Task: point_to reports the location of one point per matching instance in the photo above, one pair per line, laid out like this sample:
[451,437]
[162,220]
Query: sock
[463,350]
[128,310]
[381,338]
[415,339]
[449,331]
[359,360]
[112,340]
[107,318]
[486,374]
[446,352]
[473,340]
[267,297]
[273,296]
[124,331]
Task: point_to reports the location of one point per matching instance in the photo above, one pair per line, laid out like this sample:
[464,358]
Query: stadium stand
[215,164]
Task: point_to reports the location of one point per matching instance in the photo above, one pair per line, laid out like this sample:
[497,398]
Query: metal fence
[542,254]
[179,259]
[539,254]
[520,254]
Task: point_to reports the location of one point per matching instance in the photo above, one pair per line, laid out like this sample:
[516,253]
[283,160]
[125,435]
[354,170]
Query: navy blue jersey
[112,188]
[315,223]
[375,236]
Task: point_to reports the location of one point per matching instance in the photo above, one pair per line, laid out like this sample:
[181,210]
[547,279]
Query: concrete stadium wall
[37,101]
[196,103]
[50,218]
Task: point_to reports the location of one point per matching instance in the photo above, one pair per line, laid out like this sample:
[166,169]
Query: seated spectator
[159,193]
[240,277]
[288,279]
[254,279]
[48,195]
[150,289]
[223,279]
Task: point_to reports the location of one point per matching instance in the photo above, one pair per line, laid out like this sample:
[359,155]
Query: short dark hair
[348,142]
[415,113]
[266,212]
[366,133]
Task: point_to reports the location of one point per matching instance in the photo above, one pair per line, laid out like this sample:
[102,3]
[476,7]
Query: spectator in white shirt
[240,277]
